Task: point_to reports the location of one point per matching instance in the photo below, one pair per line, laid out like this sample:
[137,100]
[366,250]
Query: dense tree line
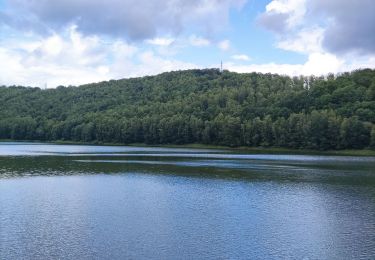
[200,106]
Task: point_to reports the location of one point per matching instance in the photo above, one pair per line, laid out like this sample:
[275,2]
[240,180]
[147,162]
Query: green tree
[354,134]
[372,144]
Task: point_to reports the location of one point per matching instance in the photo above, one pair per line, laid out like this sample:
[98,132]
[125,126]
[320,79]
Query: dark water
[97,202]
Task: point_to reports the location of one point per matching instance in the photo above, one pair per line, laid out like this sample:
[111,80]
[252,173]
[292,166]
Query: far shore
[241,149]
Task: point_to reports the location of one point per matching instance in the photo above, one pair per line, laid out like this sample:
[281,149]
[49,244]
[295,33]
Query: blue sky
[72,42]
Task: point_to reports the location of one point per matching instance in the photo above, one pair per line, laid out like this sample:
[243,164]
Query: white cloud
[15,71]
[198,41]
[347,25]
[53,45]
[150,64]
[122,50]
[73,59]
[298,30]
[283,69]
[241,57]
[317,64]
[294,9]
[224,45]
[307,40]
[322,63]
[58,59]
[161,41]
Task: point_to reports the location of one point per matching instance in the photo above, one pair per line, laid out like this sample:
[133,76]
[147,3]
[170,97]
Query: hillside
[200,106]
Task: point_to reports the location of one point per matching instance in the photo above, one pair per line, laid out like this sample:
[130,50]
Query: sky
[46,43]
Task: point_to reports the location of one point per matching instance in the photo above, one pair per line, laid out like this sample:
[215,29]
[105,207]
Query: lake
[117,202]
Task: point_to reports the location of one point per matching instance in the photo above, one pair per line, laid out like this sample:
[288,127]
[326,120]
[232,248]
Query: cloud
[240,57]
[82,41]
[351,25]
[224,45]
[130,19]
[161,41]
[72,58]
[335,35]
[198,41]
[345,26]
[150,64]
[317,64]
[276,22]
[306,40]
[281,15]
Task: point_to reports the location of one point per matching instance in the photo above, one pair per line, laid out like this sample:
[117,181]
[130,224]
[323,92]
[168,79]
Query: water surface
[103,202]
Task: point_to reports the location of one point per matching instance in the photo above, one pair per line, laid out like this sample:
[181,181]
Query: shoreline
[254,150]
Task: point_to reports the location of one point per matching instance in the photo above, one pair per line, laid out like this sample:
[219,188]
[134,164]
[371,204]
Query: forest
[200,106]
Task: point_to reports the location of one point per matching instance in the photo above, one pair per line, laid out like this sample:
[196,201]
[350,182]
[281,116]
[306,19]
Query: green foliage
[200,106]
[354,133]
[372,144]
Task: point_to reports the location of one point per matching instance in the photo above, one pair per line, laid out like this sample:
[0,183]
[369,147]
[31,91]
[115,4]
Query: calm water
[100,202]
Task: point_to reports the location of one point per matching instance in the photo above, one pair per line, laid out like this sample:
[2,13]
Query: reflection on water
[34,149]
[30,159]
[98,202]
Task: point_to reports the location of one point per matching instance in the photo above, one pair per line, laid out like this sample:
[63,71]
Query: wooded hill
[200,106]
